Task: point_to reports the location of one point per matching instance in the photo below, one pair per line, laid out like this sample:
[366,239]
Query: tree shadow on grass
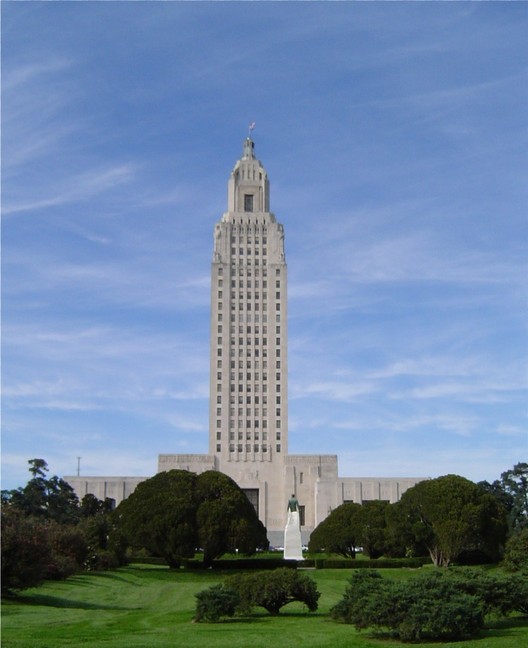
[267,618]
[45,600]
[236,620]
[504,627]
[80,579]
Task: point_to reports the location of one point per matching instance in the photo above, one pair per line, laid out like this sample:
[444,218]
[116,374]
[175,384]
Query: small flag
[251,126]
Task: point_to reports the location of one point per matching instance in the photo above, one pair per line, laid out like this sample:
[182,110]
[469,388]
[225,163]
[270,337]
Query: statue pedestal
[292,537]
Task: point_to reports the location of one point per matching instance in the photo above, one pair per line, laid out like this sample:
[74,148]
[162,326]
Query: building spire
[249,145]
[249,148]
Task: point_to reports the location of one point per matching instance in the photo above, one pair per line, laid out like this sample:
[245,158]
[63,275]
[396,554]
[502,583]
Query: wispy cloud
[22,74]
[113,369]
[78,188]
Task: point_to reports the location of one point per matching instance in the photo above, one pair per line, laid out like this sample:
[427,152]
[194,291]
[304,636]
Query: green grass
[150,606]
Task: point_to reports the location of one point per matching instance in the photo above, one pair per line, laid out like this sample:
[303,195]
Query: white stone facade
[248,405]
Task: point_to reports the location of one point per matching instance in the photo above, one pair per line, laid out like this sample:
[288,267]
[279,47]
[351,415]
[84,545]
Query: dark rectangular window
[253,496]
[248,202]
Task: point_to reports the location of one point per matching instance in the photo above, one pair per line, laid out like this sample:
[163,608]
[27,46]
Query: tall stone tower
[248,416]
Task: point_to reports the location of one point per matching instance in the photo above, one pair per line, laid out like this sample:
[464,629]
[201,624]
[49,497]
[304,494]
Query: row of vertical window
[248,352]
[248,239]
[248,430]
[220,306]
[249,341]
[248,330]
[253,296]
[249,295]
[248,447]
[247,317]
[249,436]
[249,261]
[249,251]
[248,284]
[249,411]
[249,364]
[248,400]
[264,272]
[247,423]
[249,377]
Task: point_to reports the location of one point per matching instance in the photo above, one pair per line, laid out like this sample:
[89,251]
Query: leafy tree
[372,522]
[516,551]
[160,515]
[273,590]
[515,484]
[47,535]
[26,552]
[51,499]
[512,492]
[91,505]
[175,512]
[226,519]
[62,502]
[107,544]
[353,525]
[38,468]
[338,533]
[69,550]
[399,538]
[451,514]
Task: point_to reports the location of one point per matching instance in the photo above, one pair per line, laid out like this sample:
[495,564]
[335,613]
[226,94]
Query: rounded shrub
[273,590]
[430,607]
[216,602]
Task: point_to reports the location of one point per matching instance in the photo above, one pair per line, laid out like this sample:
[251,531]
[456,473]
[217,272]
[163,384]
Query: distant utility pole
[78,466]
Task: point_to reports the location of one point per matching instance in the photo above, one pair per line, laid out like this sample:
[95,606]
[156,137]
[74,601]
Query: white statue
[292,532]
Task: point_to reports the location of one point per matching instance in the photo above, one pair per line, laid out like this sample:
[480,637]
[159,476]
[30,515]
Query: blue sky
[395,139]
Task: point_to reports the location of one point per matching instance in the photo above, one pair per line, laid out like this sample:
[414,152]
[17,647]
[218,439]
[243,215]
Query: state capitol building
[248,399]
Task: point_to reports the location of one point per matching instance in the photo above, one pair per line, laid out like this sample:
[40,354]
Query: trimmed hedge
[378,563]
[244,563]
[276,563]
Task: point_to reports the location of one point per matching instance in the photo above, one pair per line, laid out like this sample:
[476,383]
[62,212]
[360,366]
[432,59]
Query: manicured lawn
[149,606]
